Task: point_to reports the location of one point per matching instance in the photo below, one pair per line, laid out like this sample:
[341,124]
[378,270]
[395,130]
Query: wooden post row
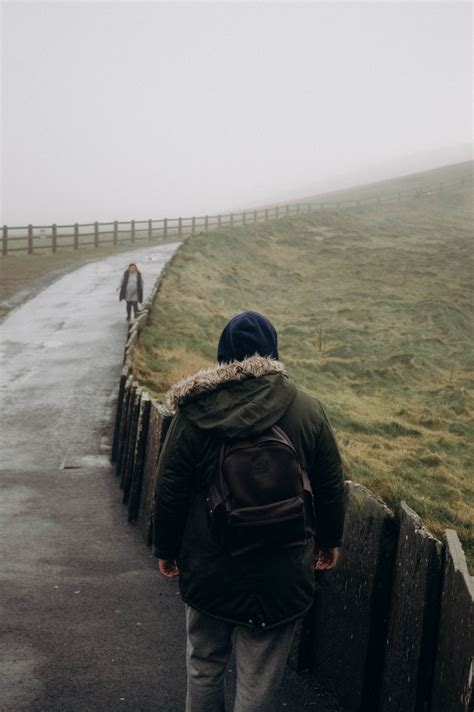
[5,240]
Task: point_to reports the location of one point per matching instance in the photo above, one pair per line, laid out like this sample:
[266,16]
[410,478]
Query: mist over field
[138,110]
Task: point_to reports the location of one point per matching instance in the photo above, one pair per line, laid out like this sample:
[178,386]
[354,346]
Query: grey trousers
[260,663]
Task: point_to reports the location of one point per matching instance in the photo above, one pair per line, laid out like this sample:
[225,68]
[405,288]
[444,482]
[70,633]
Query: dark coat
[123,286]
[236,400]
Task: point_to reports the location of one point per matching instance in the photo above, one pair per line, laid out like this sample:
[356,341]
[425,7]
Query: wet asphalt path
[60,358]
[86,623]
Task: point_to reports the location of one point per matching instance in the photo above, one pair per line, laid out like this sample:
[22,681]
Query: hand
[168,567]
[326,559]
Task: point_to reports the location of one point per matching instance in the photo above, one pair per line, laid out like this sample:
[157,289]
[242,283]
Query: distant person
[235,519]
[131,289]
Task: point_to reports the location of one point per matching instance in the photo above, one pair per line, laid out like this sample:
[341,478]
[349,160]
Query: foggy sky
[120,110]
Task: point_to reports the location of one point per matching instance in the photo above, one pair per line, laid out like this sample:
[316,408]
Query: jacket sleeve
[174,489]
[327,480]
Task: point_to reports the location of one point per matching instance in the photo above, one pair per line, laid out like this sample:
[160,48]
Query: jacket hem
[246,624]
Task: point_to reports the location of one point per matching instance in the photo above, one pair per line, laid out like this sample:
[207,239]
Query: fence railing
[31,238]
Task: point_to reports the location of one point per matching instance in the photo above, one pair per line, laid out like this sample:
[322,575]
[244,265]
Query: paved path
[87,624]
[60,358]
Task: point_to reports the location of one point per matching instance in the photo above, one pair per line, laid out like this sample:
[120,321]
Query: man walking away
[217,479]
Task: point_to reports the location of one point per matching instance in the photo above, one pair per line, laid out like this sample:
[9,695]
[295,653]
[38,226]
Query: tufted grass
[373,311]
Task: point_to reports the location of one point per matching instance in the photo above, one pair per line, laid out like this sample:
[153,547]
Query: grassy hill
[431,178]
[373,311]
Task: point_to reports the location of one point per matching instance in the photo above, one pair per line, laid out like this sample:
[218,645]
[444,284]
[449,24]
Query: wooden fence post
[219,220]
[115,232]
[277,212]
[55,238]
[232,218]
[165,228]
[243,218]
[287,209]
[255,216]
[206,223]
[180,227]
[150,230]
[76,235]
[5,240]
[193,225]
[96,234]
[132,224]
[30,239]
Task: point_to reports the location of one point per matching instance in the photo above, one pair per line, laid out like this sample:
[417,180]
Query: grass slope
[373,311]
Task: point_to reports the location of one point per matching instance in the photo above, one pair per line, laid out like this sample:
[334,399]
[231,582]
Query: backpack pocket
[279,524]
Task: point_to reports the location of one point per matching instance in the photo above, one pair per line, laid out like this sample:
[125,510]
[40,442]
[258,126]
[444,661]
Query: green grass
[373,312]
[432,178]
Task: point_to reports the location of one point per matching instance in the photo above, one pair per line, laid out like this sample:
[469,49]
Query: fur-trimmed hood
[235,397]
[209,379]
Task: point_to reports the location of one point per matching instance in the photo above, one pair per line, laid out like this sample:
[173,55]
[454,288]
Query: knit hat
[245,335]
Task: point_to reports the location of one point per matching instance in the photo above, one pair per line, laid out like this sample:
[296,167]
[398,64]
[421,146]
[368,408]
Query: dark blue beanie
[247,334]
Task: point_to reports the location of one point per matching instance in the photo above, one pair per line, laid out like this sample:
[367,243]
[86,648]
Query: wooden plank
[453,683]
[118,413]
[411,639]
[128,464]
[157,428]
[352,603]
[139,458]
[124,425]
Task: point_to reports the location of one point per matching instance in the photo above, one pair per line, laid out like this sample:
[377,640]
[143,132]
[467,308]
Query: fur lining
[208,379]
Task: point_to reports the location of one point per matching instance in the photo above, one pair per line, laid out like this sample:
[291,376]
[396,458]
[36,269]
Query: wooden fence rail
[28,238]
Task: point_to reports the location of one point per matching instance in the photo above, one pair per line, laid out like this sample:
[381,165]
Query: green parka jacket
[233,401]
